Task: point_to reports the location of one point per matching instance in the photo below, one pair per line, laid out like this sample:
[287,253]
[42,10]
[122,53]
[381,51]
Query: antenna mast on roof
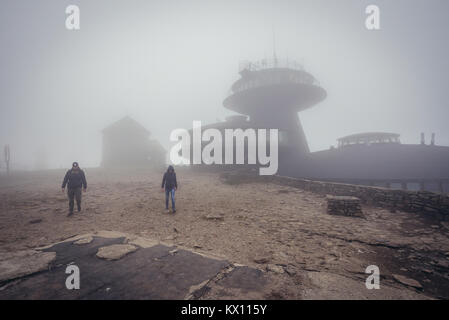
[275,59]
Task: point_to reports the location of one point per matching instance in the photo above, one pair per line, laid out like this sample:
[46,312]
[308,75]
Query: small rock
[213,217]
[443,263]
[261,260]
[407,281]
[275,268]
[290,271]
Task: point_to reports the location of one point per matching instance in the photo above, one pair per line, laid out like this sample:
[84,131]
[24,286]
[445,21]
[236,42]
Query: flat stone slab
[115,251]
[85,240]
[328,286]
[241,282]
[407,281]
[152,271]
[22,263]
[343,198]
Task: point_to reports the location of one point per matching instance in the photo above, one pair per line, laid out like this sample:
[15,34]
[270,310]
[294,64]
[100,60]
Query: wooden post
[7,158]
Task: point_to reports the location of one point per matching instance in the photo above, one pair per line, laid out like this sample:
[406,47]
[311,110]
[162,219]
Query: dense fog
[168,63]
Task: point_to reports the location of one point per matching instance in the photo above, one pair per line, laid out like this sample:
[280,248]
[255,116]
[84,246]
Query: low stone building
[126,143]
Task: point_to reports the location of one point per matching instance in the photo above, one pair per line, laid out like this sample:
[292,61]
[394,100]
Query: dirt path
[280,229]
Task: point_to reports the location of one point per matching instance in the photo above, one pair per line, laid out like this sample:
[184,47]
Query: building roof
[369,136]
[124,124]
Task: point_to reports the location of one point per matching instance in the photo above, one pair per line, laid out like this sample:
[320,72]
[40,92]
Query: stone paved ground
[284,232]
[129,271]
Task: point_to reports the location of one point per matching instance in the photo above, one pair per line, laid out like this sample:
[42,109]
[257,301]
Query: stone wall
[434,204]
[343,205]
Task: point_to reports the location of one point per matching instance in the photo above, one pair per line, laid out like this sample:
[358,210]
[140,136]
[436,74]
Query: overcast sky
[167,63]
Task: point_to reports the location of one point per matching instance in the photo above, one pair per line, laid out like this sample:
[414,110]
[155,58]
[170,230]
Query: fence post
[7,158]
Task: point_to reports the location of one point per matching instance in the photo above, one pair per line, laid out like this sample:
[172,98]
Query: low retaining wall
[435,204]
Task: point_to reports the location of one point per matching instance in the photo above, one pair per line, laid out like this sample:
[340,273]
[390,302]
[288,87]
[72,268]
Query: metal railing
[275,79]
[269,64]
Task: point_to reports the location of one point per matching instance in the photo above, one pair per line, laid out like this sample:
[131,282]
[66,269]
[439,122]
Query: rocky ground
[283,231]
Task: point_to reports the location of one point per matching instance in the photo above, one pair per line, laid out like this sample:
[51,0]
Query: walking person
[171,185]
[75,180]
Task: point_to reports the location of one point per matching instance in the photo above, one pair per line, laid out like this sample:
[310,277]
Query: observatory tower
[272,93]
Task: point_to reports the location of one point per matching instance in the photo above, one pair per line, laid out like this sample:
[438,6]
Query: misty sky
[167,63]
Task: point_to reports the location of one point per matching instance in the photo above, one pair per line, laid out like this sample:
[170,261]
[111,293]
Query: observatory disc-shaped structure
[271,94]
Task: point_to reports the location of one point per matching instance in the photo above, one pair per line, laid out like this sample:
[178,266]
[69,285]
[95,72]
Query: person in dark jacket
[75,180]
[171,185]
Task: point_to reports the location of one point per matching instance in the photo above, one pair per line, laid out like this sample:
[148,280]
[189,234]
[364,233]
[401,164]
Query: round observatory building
[271,93]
